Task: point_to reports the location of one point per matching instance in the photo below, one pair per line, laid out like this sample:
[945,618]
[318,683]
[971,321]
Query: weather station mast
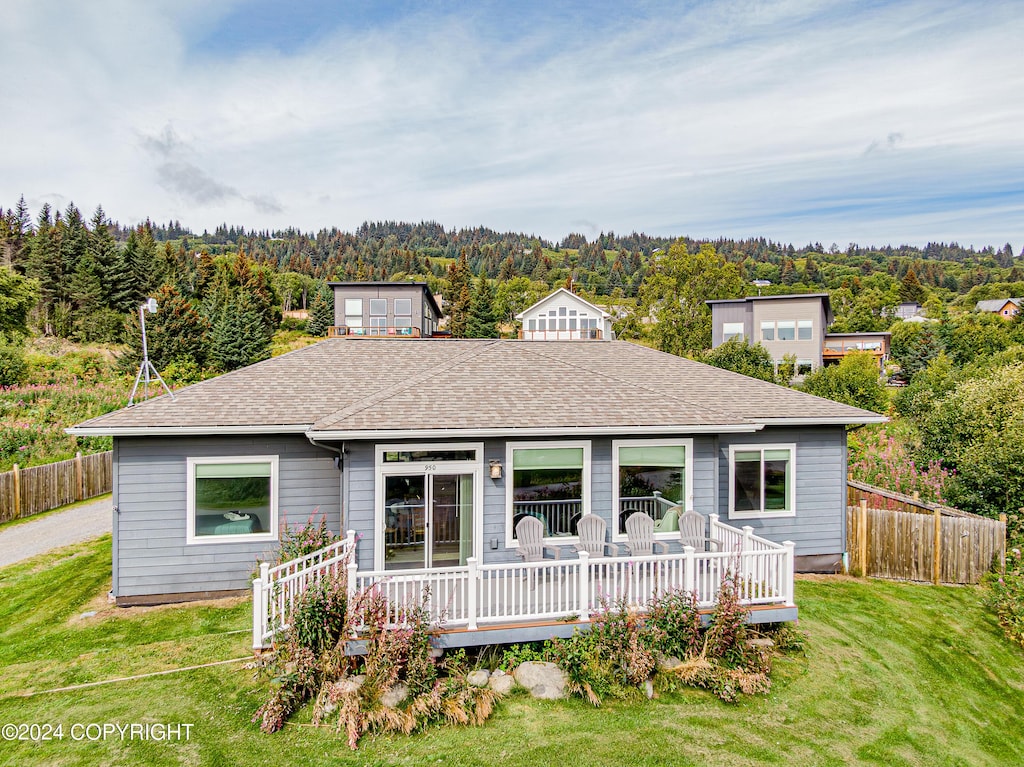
[147,372]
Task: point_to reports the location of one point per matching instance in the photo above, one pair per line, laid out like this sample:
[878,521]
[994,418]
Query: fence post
[789,590]
[937,557]
[748,531]
[583,592]
[1002,543]
[79,477]
[689,570]
[862,535]
[471,586]
[260,599]
[257,622]
[17,492]
[353,570]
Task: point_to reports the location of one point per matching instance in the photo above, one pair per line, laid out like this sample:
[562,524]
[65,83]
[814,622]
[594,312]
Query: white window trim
[687,472]
[791,491]
[417,468]
[190,500]
[557,540]
[729,330]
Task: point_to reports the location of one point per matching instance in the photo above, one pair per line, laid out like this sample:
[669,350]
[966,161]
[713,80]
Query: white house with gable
[564,316]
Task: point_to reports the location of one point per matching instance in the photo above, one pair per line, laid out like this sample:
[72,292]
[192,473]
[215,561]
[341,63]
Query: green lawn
[893,674]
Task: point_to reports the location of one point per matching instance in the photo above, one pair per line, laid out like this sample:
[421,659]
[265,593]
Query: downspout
[340,463]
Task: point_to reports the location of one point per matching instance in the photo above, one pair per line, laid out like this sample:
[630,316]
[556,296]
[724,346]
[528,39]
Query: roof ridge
[710,410]
[474,350]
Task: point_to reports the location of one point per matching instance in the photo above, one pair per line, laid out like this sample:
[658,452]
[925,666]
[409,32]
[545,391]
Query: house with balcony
[792,325]
[384,310]
[427,456]
[564,316]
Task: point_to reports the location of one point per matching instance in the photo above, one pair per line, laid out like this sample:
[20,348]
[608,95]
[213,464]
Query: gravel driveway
[52,531]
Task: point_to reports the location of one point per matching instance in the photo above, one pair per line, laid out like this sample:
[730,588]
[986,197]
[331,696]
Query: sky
[798,120]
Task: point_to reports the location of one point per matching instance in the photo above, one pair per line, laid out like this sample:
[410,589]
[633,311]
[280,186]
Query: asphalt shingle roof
[364,385]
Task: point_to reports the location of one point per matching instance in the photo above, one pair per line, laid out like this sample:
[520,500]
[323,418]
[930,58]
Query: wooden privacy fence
[24,492]
[889,535]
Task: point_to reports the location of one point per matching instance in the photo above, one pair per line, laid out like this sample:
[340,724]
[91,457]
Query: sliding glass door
[427,515]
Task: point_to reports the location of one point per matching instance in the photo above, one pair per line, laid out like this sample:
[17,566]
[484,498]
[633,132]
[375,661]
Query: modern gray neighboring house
[432,450]
[792,325]
[390,309]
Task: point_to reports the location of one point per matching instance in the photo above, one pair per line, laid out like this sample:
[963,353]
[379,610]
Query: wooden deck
[477,604]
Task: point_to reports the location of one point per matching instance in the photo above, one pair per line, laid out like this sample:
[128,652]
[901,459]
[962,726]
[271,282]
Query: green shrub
[1005,596]
[13,368]
[613,658]
[297,542]
[520,653]
[320,614]
[676,616]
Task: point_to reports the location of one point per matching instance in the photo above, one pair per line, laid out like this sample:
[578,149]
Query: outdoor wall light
[495,469]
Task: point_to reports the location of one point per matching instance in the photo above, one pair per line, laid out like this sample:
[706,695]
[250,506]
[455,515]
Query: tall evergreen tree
[458,279]
[482,322]
[43,265]
[176,333]
[321,311]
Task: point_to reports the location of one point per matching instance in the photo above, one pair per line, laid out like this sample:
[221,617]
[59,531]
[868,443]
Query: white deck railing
[275,590]
[476,595]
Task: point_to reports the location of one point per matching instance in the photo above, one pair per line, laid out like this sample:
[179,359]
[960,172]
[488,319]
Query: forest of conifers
[957,432]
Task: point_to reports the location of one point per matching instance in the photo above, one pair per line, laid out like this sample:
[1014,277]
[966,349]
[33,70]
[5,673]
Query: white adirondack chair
[640,532]
[691,532]
[530,534]
[591,529]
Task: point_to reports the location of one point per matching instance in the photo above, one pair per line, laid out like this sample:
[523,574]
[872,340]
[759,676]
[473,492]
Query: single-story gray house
[432,451]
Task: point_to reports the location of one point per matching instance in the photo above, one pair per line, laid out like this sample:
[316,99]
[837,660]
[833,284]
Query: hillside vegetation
[222,296]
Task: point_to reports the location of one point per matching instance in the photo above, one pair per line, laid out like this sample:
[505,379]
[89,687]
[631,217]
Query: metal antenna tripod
[146,368]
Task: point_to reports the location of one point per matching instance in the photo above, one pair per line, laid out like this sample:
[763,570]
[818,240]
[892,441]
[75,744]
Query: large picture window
[653,479]
[232,499]
[761,480]
[549,481]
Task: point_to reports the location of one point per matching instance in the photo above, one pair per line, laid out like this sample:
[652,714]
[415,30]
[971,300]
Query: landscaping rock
[649,689]
[358,680]
[501,682]
[478,678]
[761,643]
[668,662]
[394,697]
[545,681]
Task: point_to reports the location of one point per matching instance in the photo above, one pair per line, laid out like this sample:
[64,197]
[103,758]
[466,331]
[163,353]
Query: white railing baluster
[583,587]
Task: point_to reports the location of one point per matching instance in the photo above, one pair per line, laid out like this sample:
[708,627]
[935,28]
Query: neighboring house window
[803,330]
[378,316]
[732,330]
[653,478]
[354,312]
[531,325]
[787,330]
[230,499]
[803,367]
[403,312]
[761,480]
[767,331]
[550,481]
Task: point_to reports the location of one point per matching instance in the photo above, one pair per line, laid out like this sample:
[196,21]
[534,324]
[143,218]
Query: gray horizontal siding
[819,526]
[151,556]
[359,480]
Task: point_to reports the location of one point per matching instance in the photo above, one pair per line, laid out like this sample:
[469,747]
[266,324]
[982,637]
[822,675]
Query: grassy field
[893,674]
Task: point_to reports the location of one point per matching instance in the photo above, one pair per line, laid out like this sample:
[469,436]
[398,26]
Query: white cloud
[826,122]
